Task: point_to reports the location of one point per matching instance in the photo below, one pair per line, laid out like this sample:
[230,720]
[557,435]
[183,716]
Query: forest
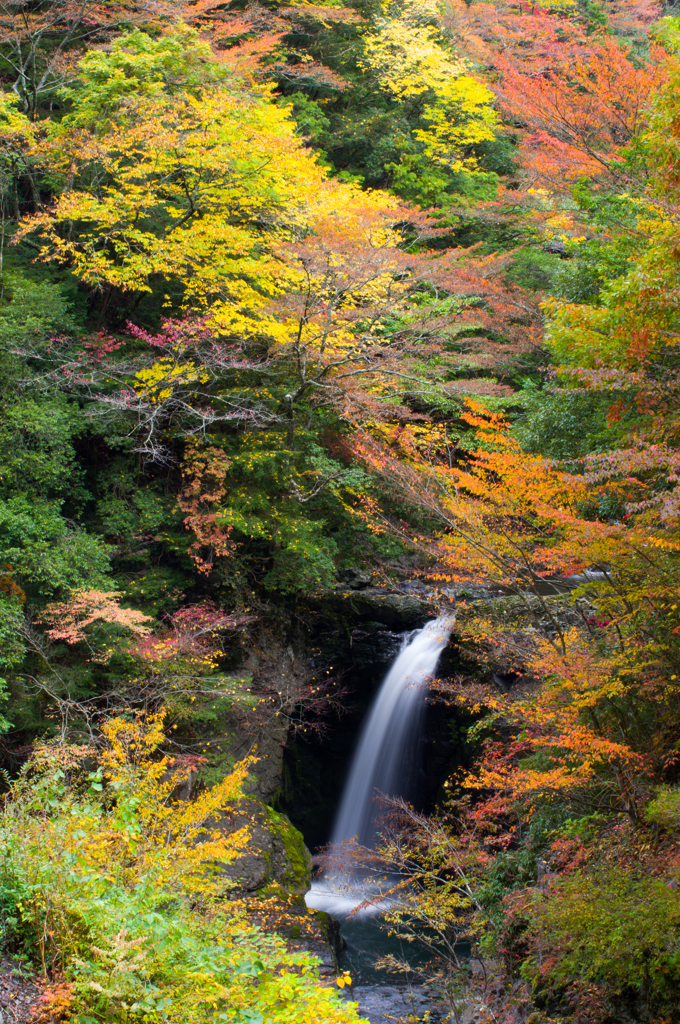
[303,305]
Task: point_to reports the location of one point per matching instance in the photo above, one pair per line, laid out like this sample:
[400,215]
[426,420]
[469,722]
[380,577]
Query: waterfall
[383,761]
[385,755]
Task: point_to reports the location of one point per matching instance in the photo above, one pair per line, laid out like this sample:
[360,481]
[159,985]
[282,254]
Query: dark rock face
[332,933]
[355,635]
[354,578]
[351,607]
[358,636]
[373,644]
[265,777]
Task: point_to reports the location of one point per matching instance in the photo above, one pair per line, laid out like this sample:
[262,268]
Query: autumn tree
[578,647]
[259,43]
[100,870]
[68,622]
[178,382]
[293,306]
[169,208]
[40,46]
[17,133]
[581,110]
[515,521]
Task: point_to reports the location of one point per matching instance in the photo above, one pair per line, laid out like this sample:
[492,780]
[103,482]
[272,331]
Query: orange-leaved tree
[579,109]
[68,621]
[590,618]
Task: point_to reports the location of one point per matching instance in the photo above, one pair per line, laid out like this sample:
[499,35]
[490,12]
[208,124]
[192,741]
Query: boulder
[276,852]
[354,578]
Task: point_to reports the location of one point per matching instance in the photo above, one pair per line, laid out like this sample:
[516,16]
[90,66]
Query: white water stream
[384,759]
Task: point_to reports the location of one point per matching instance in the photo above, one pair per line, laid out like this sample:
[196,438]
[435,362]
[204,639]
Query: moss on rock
[291,860]
[276,854]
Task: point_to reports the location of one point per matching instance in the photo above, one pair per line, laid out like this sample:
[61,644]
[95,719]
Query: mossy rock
[521,612]
[291,862]
[332,933]
[276,854]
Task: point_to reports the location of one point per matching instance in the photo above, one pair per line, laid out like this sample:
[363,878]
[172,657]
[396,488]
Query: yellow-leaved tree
[189,189]
[411,58]
[118,883]
[194,181]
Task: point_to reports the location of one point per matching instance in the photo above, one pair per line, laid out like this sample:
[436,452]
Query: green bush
[615,925]
[664,810]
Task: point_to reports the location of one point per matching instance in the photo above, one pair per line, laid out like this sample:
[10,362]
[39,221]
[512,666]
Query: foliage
[406,56]
[69,621]
[579,116]
[30,310]
[611,926]
[135,65]
[565,424]
[38,46]
[515,519]
[663,809]
[36,449]
[115,885]
[169,203]
[47,556]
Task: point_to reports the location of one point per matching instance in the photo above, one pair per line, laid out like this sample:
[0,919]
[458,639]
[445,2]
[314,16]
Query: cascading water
[384,758]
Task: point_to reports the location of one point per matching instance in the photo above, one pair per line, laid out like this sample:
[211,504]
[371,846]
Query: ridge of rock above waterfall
[392,608]
[407,604]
